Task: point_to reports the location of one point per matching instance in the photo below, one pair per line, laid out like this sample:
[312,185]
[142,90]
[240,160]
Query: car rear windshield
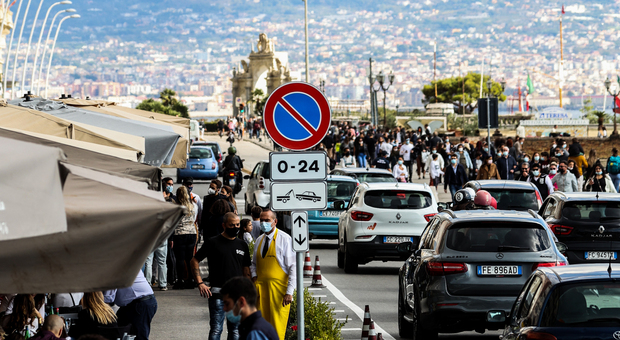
[200,153]
[397,199]
[375,178]
[584,304]
[340,190]
[591,211]
[497,236]
[266,172]
[514,199]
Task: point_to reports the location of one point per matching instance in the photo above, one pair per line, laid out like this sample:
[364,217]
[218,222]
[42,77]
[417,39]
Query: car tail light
[361,216]
[445,268]
[561,230]
[261,183]
[428,217]
[539,336]
[219,157]
[538,198]
[548,264]
[212,165]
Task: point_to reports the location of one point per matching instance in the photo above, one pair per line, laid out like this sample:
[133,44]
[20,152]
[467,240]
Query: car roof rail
[533,213]
[449,212]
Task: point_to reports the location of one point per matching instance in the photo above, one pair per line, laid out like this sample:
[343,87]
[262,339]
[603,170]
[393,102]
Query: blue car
[324,224]
[201,164]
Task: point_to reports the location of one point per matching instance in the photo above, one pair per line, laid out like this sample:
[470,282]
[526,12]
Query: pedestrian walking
[184,238]
[565,180]
[228,257]
[541,181]
[613,168]
[600,181]
[273,271]
[455,177]
[435,171]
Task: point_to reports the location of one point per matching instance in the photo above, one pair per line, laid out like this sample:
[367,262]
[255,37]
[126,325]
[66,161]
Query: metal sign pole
[300,297]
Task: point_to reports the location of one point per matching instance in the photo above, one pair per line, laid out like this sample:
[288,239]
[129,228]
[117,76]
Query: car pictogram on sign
[308,196]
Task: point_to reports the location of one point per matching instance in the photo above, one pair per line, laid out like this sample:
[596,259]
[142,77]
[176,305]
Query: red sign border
[269,112]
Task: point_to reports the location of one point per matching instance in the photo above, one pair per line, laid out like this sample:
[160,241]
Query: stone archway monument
[266,70]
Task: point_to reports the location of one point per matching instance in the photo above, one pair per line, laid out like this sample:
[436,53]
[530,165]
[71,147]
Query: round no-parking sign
[297,116]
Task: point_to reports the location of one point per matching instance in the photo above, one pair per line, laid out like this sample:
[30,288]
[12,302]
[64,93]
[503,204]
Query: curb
[259,144]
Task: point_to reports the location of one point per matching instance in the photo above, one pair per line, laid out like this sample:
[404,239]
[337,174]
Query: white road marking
[310,282]
[339,311]
[319,296]
[315,288]
[331,303]
[352,306]
[351,329]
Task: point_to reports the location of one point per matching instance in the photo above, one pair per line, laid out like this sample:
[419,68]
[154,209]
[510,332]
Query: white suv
[258,187]
[379,217]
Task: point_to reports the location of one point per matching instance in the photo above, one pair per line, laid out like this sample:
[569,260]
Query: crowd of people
[453,161]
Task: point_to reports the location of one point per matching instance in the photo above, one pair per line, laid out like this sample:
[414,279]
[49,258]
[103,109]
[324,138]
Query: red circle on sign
[276,97]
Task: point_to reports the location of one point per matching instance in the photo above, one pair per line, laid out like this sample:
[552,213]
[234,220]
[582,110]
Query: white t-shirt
[435,169]
[405,151]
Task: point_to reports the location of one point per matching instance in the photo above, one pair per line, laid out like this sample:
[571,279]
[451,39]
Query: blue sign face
[297,116]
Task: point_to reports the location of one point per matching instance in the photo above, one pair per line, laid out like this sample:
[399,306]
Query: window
[266,171]
[529,297]
[337,190]
[375,177]
[550,208]
[256,170]
[514,199]
[427,235]
[591,211]
[398,199]
[200,153]
[497,236]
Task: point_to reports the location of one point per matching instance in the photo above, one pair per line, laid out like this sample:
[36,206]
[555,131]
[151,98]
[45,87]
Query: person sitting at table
[95,313]
[52,328]
[21,314]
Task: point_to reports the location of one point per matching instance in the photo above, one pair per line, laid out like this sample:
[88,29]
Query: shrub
[320,323]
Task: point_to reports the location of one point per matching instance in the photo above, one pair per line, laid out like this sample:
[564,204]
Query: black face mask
[347,153]
[224,197]
[232,232]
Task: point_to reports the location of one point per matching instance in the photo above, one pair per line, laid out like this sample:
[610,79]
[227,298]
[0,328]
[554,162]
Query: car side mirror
[439,209]
[339,205]
[496,316]
[405,248]
[246,177]
[562,248]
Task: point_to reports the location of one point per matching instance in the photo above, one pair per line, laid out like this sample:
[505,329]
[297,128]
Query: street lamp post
[19,41]
[5,5]
[36,54]
[301,332]
[70,10]
[34,25]
[49,65]
[8,51]
[615,95]
[381,80]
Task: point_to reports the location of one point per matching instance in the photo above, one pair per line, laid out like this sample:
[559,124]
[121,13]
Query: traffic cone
[379,336]
[366,325]
[307,266]
[372,334]
[317,281]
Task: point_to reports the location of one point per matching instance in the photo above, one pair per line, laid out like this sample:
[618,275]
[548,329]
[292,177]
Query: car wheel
[419,333]
[284,200]
[350,262]
[248,210]
[405,328]
[340,258]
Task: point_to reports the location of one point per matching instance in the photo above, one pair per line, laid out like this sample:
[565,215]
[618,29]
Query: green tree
[259,99]
[168,104]
[594,116]
[450,90]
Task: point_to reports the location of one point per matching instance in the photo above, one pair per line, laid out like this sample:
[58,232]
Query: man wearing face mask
[228,257]
[273,272]
[541,181]
[506,165]
[240,305]
[348,160]
[168,187]
[189,184]
[455,176]
[213,194]
[565,181]
[405,152]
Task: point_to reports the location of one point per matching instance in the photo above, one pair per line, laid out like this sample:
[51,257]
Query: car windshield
[214,148]
[514,199]
[497,236]
[200,153]
[591,211]
[340,190]
[583,304]
[398,199]
[375,177]
[266,173]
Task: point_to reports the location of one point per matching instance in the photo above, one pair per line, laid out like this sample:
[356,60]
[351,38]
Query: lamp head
[489,84]
[66,2]
[381,78]
[75,16]
[503,83]
[70,10]
[391,77]
[607,84]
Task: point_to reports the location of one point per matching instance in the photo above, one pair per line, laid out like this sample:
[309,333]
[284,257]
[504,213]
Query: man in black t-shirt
[382,162]
[228,257]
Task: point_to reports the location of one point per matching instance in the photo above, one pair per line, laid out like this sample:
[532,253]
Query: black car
[566,303]
[587,222]
[510,195]
[468,263]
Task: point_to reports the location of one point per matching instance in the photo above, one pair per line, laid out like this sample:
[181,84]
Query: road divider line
[315,288]
[353,307]
[339,311]
[351,329]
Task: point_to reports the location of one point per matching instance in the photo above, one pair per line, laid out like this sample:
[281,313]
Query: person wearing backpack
[613,168]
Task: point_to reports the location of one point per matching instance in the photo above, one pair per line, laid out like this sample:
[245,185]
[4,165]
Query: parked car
[510,195]
[201,164]
[574,302]
[587,222]
[466,264]
[369,175]
[217,150]
[324,224]
[380,216]
[258,187]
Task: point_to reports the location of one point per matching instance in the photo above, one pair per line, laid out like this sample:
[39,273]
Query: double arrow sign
[299,231]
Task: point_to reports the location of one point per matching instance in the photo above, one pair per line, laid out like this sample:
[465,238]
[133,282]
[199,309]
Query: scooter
[234,179]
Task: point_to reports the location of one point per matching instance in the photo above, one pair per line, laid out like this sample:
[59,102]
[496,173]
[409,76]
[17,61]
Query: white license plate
[499,270]
[330,213]
[232,182]
[601,255]
[397,239]
[198,166]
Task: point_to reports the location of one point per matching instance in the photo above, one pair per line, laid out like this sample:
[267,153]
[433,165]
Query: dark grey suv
[469,263]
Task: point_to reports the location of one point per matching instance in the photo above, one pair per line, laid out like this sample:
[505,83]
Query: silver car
[467,264]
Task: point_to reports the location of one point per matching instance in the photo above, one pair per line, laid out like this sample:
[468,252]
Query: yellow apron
[271,284]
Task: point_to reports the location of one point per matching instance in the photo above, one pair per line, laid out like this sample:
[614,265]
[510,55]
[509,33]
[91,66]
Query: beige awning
[16,117]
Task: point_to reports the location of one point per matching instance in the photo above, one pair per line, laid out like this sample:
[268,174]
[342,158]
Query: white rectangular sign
[299,231]
[298,196]
[298,166]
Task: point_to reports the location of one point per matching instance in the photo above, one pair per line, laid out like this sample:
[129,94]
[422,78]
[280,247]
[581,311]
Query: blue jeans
[361,160]
[453,189]
[160,254]
[139,314]
[616,180]
[216,323]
